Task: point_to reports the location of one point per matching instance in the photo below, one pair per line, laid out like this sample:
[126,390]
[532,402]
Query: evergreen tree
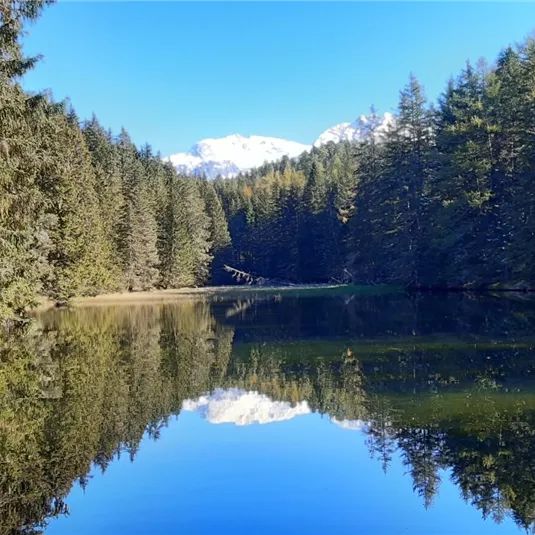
[138,228]
[522,192]
[314,233]
[364,257]
[13,15]
[108,186]
[185,238]
[508,95]
[219,235]
[286,253]
[80,255]
[408,168]
[463,190]
[218,227]
[24,240]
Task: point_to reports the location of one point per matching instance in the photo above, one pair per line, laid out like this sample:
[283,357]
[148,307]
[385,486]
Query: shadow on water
[446,380]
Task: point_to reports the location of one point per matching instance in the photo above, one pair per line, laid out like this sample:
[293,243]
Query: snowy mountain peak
[230,155]
[234,154]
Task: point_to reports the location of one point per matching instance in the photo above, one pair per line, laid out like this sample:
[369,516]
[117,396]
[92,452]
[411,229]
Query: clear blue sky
[173,73]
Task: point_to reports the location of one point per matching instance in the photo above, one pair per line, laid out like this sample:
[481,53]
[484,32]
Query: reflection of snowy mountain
[241,407]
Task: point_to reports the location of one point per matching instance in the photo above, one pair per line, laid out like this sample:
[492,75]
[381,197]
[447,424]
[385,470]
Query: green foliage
[23,239]
[218,226]
[288,220]
[219,235]
[80,256]
[138,228]
[108,186]
[24,242]
[14,14]
[185,235]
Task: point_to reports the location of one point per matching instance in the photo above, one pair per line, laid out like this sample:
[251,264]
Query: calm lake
[327,414]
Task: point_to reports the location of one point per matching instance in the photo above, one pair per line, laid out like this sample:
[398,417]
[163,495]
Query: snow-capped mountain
[230,155]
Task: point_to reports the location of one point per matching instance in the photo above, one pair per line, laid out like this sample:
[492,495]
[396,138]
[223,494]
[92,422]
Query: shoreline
[169,295]
[174,294]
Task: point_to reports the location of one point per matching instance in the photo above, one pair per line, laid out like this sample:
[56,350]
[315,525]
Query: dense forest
[83,211]
[443,198]
[82,387]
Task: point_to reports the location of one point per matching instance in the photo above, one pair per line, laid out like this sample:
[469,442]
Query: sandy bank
[207,291]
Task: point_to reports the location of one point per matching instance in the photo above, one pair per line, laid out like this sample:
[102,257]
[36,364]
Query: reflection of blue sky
[298,476]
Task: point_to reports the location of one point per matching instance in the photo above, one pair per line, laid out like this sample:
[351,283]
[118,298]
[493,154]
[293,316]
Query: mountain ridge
[233,154]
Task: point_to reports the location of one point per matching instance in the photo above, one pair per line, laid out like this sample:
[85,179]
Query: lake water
[332,414]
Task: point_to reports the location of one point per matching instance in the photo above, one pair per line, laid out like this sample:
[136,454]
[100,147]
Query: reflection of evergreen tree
[86,388]
[187,343]
[380,432]
[26,493]
[420,451]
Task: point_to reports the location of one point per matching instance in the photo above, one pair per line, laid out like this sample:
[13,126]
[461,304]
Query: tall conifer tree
[23,237]
[138,228]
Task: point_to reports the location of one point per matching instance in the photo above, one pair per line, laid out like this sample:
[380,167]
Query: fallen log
[239,275]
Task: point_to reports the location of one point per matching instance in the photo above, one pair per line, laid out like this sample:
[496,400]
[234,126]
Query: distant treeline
[443,198]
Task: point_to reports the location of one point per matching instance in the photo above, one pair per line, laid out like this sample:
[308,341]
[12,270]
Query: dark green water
[333,414]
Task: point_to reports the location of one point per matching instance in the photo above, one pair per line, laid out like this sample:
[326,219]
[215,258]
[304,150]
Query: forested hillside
[83,211]
[444,198]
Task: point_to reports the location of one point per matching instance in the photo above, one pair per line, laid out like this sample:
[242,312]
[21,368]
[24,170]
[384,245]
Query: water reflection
[243,408]
[445,382]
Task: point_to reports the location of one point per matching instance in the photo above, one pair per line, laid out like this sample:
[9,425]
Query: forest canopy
[443,198]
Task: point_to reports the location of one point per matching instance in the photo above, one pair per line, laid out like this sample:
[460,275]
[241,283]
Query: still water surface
[338,414]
